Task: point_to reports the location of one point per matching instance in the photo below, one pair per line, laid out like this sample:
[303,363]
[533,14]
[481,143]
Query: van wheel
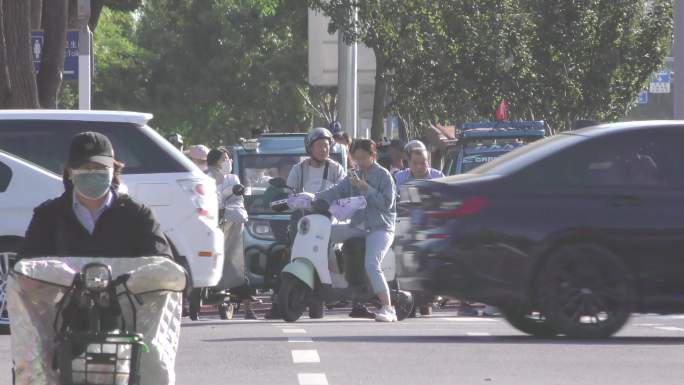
[529,322]
[585,291]
[293,297]
[8,255]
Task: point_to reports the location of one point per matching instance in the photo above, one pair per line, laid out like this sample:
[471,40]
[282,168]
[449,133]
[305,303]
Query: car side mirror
[238,189]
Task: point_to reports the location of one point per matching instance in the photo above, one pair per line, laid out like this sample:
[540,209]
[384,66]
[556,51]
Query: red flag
[502,111]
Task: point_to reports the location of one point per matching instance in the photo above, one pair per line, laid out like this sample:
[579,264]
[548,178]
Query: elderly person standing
[419,167]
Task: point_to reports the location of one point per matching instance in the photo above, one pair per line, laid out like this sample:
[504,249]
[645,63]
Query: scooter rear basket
[105,359]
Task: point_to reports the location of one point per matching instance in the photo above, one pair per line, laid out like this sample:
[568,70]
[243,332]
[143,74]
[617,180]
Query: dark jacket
[126,229]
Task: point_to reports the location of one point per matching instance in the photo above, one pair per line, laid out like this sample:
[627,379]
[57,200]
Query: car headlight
[97,276]
[260,228]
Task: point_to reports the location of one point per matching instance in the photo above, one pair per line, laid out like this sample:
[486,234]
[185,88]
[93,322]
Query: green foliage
[120,64]
[219,69]
[558,60]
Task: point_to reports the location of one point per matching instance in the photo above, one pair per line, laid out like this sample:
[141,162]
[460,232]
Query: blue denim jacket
[380,214]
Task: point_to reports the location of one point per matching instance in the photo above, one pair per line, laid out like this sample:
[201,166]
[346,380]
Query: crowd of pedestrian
[321,175]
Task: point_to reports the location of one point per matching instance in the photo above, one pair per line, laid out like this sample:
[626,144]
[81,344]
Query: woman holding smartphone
[375,223]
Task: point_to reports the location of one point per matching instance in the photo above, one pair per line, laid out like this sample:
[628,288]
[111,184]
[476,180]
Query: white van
[181,196]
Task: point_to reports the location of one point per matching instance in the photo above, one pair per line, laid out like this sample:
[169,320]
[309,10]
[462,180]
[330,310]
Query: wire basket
[105,359]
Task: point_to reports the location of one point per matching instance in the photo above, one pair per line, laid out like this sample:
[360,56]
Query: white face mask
[227,167]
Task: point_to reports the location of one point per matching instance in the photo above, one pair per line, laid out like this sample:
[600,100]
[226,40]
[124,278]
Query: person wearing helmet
[198,154]
[176,140]
[314,174]
[318,171]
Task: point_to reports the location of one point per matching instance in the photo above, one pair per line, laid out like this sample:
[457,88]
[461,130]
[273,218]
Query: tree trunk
[17,19]
[95,12]
[378,126]
[4,74]
[52,65]
[36,14]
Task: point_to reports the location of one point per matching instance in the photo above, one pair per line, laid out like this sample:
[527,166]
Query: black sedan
[568,235]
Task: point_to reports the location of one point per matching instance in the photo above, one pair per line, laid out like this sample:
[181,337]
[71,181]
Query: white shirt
[88,218]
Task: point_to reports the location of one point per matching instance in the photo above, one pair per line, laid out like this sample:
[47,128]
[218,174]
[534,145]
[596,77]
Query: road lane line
[294,331]
[299,340]
[478,334]
[670,328]
[312,379]
[305,357]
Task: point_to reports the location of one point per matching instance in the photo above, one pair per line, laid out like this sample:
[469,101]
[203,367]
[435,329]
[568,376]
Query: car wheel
[585,291]
[293,297]
[8,254]
[529,322]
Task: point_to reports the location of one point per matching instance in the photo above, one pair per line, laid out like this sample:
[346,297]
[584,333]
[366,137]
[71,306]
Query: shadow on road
[525,340]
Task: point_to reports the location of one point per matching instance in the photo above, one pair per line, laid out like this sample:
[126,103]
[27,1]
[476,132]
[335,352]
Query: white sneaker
[386,314]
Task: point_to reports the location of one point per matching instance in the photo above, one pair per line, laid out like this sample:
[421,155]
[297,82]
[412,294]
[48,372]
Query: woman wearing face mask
[220,166]
[92,217]
[376,222]
[232,216]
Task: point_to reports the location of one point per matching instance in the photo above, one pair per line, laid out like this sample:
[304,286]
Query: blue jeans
[378,243]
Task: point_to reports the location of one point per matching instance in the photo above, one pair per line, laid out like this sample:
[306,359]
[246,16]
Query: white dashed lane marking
[294,331]
[312,379]
[305,357]
[670,328]
[478,334]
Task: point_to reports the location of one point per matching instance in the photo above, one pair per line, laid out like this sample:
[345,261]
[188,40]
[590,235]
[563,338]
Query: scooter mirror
[238,189]
[278,183]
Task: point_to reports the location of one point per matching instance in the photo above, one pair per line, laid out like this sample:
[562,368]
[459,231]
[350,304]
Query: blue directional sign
[643,97]
[70,53]
[663,77]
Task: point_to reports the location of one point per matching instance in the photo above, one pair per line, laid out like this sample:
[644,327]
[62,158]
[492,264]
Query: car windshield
[509,162]
[255,172]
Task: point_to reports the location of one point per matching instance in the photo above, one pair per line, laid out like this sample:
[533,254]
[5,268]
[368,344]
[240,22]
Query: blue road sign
[663,77]
[643,97]
[70,53]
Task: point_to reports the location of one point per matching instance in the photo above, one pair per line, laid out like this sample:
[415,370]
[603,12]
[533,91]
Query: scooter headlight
[97,276]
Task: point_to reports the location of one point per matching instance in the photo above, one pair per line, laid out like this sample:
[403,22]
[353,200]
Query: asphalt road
[442,349]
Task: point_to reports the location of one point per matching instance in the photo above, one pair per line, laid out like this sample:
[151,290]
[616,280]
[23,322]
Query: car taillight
[198,195]
[457,209]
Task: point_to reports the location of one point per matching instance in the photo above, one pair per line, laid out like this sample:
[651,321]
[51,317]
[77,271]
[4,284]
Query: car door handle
[625,201]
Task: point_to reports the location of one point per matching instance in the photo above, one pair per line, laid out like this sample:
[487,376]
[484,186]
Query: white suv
[182,197]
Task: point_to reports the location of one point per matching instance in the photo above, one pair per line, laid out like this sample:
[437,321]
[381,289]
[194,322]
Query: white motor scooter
[329,277]
[89,321]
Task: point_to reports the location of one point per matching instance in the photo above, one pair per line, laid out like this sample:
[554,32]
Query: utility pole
[84,58]
[678,65]
[347,79]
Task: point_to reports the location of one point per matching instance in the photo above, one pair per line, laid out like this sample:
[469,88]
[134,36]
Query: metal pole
[85,38]
[84,70]
[678,65]
[342,83]
[353,80]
